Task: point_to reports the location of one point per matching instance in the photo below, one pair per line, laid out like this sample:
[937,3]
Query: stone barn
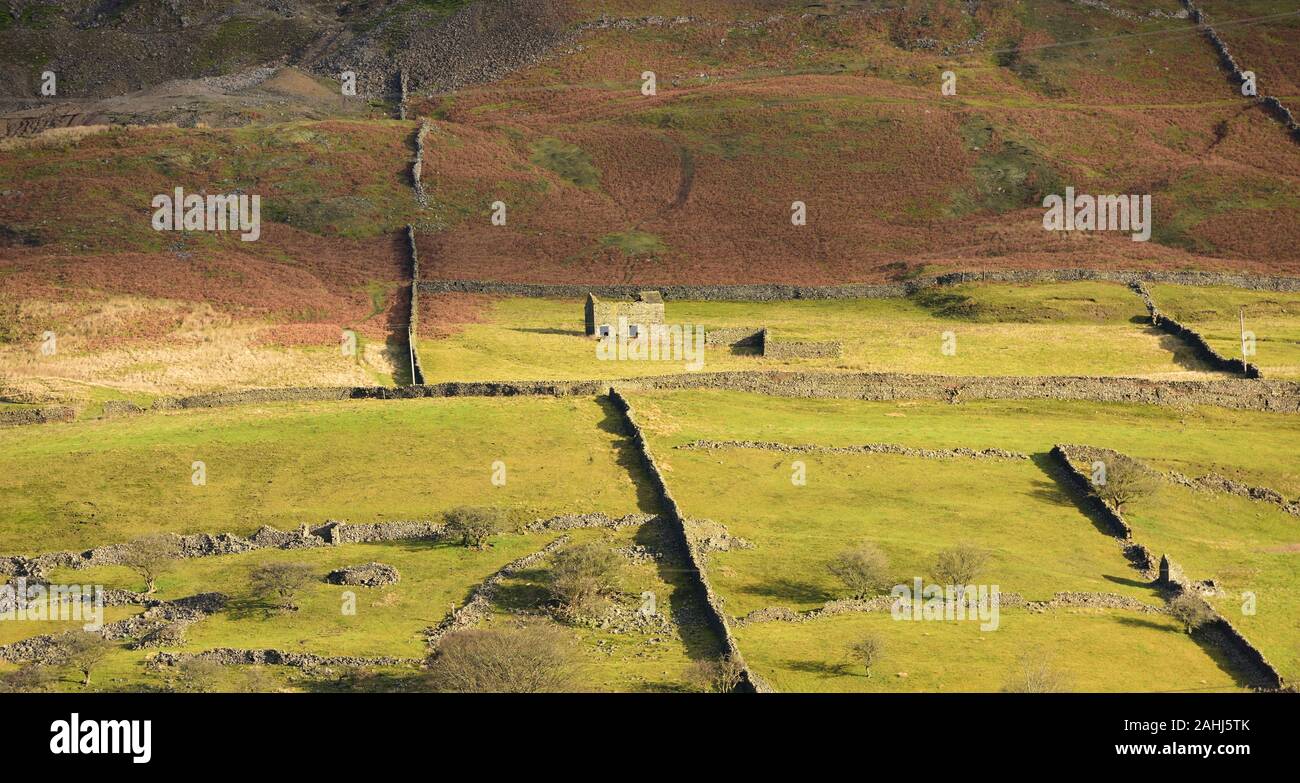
[602,317]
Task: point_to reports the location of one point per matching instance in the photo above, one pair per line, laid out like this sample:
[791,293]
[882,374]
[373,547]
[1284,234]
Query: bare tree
[150,556]
[83,651]
[472,525]
[582,573]
[960,565]
[1035,674]
[1124,480]
[198,675]
[534,659]
[716,675]
[868,650]
[1191,611]
[279,582]
[864,570]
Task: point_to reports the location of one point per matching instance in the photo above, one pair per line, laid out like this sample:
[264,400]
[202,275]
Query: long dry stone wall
[1242,394]
[885,603]
[1199,344]
[776,292]
[1237,74]
[331,533]
[1259,395]
[864,448]
[417,168]
[1075,461]
[413,318]
[695,559]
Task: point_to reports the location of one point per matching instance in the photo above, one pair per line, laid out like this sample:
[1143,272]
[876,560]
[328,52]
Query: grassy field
[1111,652]
[1244,546]
[1052,329]
[1273,317]
[390,621]
[72,486]
[1256,448]
[1038,541]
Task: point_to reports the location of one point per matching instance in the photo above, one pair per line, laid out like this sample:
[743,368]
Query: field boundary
[1229,638]
[1269,103]
[331,533]
[1233,393]
[884,603]
[770,292]
[1200,345]
[413,317]
[716,617]
[17,417]
[862,448]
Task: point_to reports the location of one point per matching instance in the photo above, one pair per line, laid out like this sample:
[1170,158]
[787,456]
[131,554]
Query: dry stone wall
[1236,74]
[1203,349]
[412,320]
[479,604]
[15,417]
[1076,462]
[1258,395]
[417,169]
[776,292]
[695,558]
[864,448]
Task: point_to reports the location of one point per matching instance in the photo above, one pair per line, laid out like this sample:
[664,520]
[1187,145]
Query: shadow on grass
[561,332]
[790,590]
[629,457]
[821,668]
[686,604]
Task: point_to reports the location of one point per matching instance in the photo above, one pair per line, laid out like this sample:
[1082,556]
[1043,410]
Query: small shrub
[516,660]
[83,651]
[1035,675]
[864,570]
[1125,480]
[32,678]
[582,573]
[720,675]
[1191,611]
[472,526]
[278,583]
[960,565]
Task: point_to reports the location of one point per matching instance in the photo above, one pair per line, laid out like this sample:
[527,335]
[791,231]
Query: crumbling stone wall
[885,603]
[864,448]
[695,559]
[417,172]
[1216,483]
[479,604]
[229,656]
[1200,345]
[15,417]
